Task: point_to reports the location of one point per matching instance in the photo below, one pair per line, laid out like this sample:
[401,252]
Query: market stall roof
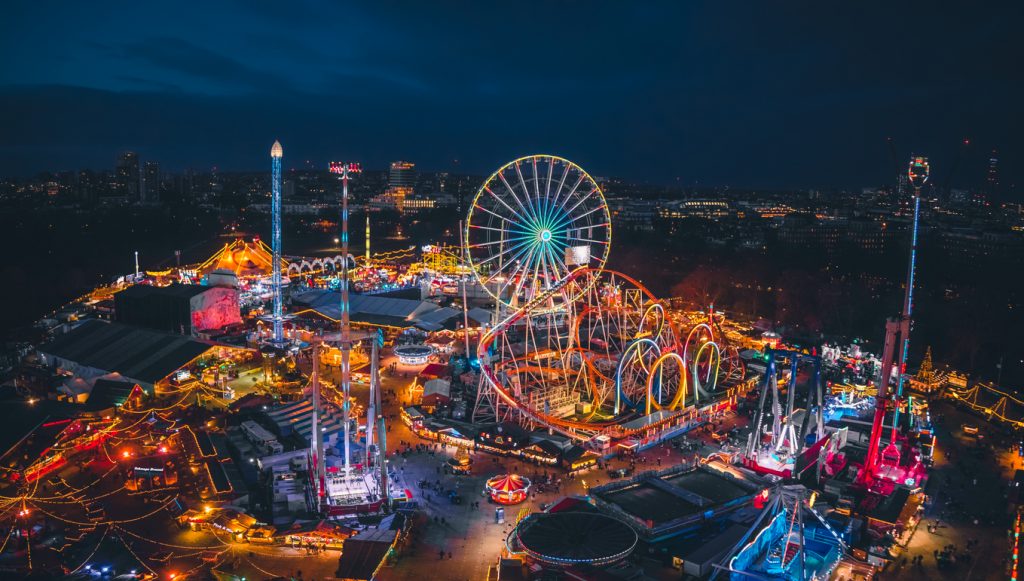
[110,393]
[435,320]
[414,413]
[364,553]
[437,387]
[648,420]
[435,371]
[482,316]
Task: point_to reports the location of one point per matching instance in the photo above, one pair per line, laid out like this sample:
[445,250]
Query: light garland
[110,522]
[28,551]
[141,562]
[7,538]
[148,540]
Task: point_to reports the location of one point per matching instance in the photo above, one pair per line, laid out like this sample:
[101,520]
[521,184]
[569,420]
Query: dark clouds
[800,94]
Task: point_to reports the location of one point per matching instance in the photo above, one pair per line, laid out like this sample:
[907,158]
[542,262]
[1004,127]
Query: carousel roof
[508,483]
[575,538]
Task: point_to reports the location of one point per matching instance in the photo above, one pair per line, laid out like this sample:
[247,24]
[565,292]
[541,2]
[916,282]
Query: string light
[143,563]
[110,522]
[148,540]
[96,548]
[7,538]
[28,551]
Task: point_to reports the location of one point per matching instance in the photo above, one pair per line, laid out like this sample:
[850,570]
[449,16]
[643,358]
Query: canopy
[508,483]
[245,259]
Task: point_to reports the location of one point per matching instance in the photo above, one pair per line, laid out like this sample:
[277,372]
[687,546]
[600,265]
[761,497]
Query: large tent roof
[242,257]
[136,353]
[377,310]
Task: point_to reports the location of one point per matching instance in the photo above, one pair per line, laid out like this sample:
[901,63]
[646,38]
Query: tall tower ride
[345,170]
[276,152]
[917,176]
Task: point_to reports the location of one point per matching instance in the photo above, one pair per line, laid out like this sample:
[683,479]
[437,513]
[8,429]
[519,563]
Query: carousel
[508,488]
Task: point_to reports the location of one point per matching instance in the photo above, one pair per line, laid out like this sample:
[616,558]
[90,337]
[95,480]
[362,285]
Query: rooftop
[134,352]
[176,290]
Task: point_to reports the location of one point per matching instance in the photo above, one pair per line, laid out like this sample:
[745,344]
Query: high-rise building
[992,179]
[402,175]
[401,182]
[129,178]
[151,183]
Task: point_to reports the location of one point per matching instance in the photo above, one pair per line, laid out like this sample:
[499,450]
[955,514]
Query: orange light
[126,454]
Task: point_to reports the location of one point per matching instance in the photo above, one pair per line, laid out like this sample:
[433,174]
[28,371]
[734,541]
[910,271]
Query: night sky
[763,94]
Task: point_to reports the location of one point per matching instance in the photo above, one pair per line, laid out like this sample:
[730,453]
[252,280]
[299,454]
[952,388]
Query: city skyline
[796,100]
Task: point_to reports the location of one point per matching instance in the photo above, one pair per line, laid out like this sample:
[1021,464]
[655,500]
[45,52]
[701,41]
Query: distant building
[707,209]
[128,177]
[401,183]
[151,183]
[992,179]
[415,202]
[402,175]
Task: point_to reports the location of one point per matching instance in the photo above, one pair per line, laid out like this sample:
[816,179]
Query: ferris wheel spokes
[524,223]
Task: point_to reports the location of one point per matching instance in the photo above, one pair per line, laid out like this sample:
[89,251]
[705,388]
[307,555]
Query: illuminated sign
[342,167]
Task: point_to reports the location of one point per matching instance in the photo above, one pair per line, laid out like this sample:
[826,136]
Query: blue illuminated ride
[276,152]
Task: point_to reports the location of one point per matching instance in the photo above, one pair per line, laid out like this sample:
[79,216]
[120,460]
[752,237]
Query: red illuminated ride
[508,488]
[885,464]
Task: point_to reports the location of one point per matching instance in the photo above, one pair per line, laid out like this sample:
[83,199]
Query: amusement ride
[578,349]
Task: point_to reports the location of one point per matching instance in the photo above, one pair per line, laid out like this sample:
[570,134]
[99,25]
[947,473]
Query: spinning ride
[578,349]
[508,488]
[787,428]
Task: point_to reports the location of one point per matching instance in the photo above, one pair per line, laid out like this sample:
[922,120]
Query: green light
[545,235]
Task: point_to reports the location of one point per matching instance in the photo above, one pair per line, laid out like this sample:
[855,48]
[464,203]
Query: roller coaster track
[528,365]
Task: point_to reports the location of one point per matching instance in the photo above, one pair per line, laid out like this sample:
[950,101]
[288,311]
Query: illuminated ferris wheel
[534,221]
